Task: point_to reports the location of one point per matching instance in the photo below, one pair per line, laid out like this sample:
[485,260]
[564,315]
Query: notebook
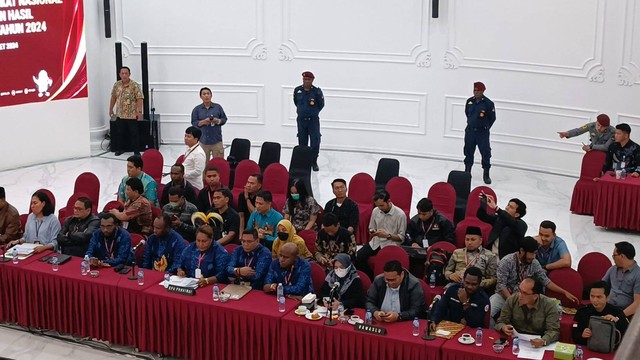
[236,291]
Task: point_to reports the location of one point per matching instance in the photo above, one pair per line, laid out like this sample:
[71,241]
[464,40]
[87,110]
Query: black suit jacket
[509,229]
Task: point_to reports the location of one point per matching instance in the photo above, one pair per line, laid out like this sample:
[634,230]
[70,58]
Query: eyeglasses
[78,208]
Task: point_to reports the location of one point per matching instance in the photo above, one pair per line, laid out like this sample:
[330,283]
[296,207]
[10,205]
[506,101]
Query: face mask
[283,236]
[174,204]
[295,197]
[341,272]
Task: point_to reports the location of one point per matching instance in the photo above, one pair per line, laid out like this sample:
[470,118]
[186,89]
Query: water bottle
[515,349]
[279,292]
[84,267]
[281,306]
[368,318]
[579,353]
[340,309]
[14,255]
[54,263]
[432,279]
[167,278]
[216,293]
[140,277]
[416,327]
[479,337]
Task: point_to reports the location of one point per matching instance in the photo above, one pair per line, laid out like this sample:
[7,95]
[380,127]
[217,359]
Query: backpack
[437,260]
[604,335]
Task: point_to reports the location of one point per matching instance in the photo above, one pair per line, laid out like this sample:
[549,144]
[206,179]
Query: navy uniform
[599,140]
[308,105]
[451,308]
[481,114]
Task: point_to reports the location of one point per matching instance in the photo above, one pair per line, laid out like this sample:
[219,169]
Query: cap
[308,74]
[473,230]
[480,86]
[603,119]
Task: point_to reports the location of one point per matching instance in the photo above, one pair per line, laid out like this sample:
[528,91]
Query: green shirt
[542,319]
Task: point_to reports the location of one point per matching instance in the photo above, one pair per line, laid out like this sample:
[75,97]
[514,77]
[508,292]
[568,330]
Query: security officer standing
[481,114]
[309,100]
[600,133]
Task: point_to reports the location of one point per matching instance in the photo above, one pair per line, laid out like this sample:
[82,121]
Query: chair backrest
[67,211]
[387,254]
[461,182]
[223,169]
[23,221]
[400,192]
[473,201]
[444,245]
[309,237]
[230,248]
[301,160]
[135,240]
[362,187]
[89,184]
[242,172]
[180,159]
[152,164]
[443,197]
[276,179]
[592,163]
[155,211]
[269,154]
[49,195]
[569,280]
[113,204]
[240,150]
[317,276]
[366,282]
[387,169]
[592,267]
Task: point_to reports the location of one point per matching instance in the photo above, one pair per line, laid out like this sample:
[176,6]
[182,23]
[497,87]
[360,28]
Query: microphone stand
[134,274]
[426,335]
[329,321]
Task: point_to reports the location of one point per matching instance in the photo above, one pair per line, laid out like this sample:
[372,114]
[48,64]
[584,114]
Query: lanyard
[522,273]
[430,226]
[287,277]
[251,257]
[38,225]
[472,261]
[200,259]
[109,248]
[190,151]
[210,196]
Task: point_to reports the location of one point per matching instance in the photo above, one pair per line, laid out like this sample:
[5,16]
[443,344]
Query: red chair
[584,191]
[400,192]
[223,169]
[461,231]
[230,248]
[244,169]
[592,267]
[180,159]
[317,276]
[67,211]
[113,204]
[568,279]
[152,164]
[88,183]
[135,240]
[155,211]
[387,254]
[427,291]
[444,245]
[362,187]
[310,238]
[443,197]
[366,282]
[23,221]
[49,195]
[276,179]
[473,202]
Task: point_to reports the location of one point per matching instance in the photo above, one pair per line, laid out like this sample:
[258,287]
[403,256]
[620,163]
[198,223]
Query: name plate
[181,290]
[371,329]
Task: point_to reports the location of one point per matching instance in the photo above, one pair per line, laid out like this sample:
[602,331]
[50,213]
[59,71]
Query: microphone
[335,286]
[435,301]
[142,242]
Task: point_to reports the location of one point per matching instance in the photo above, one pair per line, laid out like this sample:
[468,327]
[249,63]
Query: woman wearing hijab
[286,233]
[349,293]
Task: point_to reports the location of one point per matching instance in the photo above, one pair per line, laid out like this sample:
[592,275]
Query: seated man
[387,227]
[287,235]
[10,226]
[195,159]
[77,230]
[514,268]
[623,150]
[246,204]
[264,219]
[473,254]
[249,263]
[507,225]
[600,133]
[395,295]
[177,179]
[180,211]
[212,182]
[599,307]
[428,227]
[344,208]
[624,279]
[333,239]
[164,247]
[222,198]
[530,312]
[111,246]
[553,252]
[464,303]
[134,170]
[204,259]
[290,270]
[137,209]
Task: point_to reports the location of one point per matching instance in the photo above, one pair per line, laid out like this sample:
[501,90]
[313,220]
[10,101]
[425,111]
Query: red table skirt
[584,197]
[618,203]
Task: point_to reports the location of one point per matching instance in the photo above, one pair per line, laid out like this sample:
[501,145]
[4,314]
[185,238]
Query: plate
[302,313]
[594,359]
[309,316]
[353,322]
[569,311]
[466,341]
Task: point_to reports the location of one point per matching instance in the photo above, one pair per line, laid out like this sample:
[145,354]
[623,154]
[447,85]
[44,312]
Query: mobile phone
[211,117]
[44,258]
[125,270]
[371,231]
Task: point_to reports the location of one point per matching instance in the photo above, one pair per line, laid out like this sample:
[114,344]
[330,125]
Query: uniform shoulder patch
[584,127]
[470,103]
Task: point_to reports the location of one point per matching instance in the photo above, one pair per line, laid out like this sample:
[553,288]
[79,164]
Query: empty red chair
[244,169]
[152,164]
[366,282]
[473,202]
[309,237]
[230,248]
[223,169]
[276,179]
[584,191]
[387,254]
[362,187]
[135,240]
[461,231]
[568,279]
[592,267]
[88,183]
[317,276]
[400,192]
[443,197]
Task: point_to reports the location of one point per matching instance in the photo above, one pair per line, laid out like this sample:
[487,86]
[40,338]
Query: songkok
[474,230]
[480,86]
[308,74]
[603,120]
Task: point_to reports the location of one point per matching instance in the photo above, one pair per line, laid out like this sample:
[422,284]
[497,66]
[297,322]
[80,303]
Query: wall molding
[629,72]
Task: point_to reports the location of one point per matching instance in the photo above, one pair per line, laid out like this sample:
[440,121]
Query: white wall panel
[629,73]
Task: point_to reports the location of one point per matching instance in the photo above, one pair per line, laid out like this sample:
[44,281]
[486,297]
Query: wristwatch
[388,236]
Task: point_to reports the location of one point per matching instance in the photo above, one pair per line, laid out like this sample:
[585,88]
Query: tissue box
[564,351]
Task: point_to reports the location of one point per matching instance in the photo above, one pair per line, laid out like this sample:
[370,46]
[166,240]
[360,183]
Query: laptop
[236,291]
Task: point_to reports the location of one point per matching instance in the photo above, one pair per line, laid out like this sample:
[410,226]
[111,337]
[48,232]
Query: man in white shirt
[194,158]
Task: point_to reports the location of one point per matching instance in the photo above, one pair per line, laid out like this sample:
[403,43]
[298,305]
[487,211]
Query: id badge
[198,273]
[425,243]
[125,224]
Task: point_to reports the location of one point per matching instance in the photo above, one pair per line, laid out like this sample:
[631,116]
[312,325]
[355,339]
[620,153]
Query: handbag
[605,337]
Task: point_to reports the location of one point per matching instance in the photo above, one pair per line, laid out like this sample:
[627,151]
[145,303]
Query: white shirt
[194,163]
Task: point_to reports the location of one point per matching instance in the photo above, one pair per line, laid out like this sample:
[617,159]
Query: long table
[617,204]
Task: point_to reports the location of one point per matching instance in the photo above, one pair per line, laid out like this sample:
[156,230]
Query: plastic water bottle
[340,309]
[140,277]
[579,353]
[479,337]
[279,292]
[167,278]
[416,327]
[432,279]
[281,305]
[216,293]
[54,263]
[14,255]
[560,312]
[515,349]
[368,318]
[84,267]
